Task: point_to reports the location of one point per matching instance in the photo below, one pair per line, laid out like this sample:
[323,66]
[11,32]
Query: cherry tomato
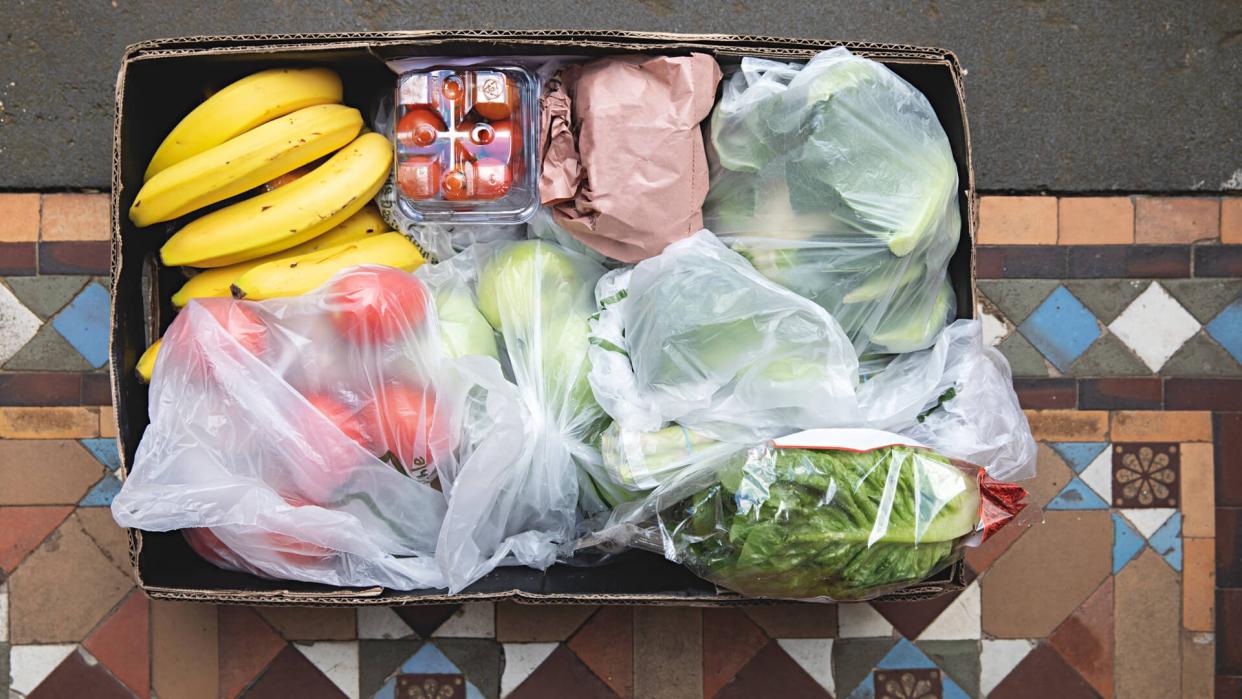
[419,128]
[492,179]
[419,177]
[354,421]
[377,305]
[414,428]
[455,186]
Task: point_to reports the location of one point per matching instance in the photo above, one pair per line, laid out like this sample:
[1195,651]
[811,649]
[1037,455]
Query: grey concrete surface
[1063,96]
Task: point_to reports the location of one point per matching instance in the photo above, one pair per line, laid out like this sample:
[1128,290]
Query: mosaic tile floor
[1122,318]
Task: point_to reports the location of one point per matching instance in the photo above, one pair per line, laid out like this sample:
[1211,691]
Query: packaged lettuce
[836,180]
[833,514]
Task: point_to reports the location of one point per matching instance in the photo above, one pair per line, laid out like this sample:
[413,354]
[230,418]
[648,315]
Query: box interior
[160,83]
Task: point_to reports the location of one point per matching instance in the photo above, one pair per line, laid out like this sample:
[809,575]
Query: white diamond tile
[381,622]
[1148,520]
[338,660]
[1098,475]
[994,329]
[17,324]
[30,665]
[814,655]
[4,612]
[998,658]
[960,620]
[471,620]
[521,659]
[861,620]
[1155,326]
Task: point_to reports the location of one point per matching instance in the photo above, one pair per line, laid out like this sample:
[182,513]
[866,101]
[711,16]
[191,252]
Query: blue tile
[1061,328]
[1226,328]
[905,655]
[1126,542]
[865,689]
[388,691]
[104,449]
[84,323]
[950,689]
[101,494]
[1078,455]
[1167,541]
[1076,495]
[429,661]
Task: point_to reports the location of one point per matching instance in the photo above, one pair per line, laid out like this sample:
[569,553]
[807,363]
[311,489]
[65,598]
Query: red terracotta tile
[1229,547]
[1017,221]
[19,217]
[22,529]
[1231,220]
[526,623]
[1147,474]
[606,644]
[122,643]
[1176,219]
[75,257]
[730,640]
[40,388]
[1085,639]
[1147,628]
[1095,221]
[1228,459]
[1203,394]
[1121,394]
[795,619]
[76,678]
[312,623]
[292,675]
[1046,393]
[562,674]
[772,673]
[18,259]
[1229,645]
[426,618]
[96,389]
[72,216]
[1042,674]
[247,645]
[185,650]
[1218,261]
[668,652]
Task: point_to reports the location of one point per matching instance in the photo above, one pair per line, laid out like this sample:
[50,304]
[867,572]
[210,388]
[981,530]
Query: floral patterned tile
[1146,475]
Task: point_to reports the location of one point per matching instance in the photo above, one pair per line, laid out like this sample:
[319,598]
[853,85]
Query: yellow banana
[297,275]
[284,217]
[245,162]
[146,363]
[241,106]
[218,280]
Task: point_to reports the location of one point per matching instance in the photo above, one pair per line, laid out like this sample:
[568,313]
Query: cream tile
[521,659]
[813,655]
[336,659]
[30,665]
[959,621]
[861,620]
[18,322]
[1155,326]
[997,658]
[381,622]
[472,620]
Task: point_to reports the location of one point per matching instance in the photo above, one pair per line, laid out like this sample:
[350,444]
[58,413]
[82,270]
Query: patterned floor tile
[730,640]
[909,682]
[39,423]
[1145,474]
[853,660]
[1085,639]
[521,660]
[429,670]
[185,656]
[381,622]
[76,677]
[898,673]
[87,587]
[958,659]
[993,324]
[562,674]
[22,529]
[1167,541]
[1106,298]
[664,636]
[471,620]
[606,644]
[379,660]
[814,656]
[46,294]
[1165,426]
[1023,358]
[1056,565]
[1154,326]
[1199,585]
[337,660]
[1127,542]
[958,621]
[910,618]
[1016,298]
[480,661]
[798,620]
[981,558]
[526,623]
[20,325]
[247,644]
[997,658]
[1148,521]
[1226,328]
[772,672]
[1204,298]
[66,471]
[1078,455]
[1109,356]
[98,524]
[312,623]
[30,665]
[292,675]
[1077,495]
[1199,665]
[122,643]
[426,618]
[1061,328]
[1147,629]
[1098,475]
[1043,674]
[1201,356]
[861,620]
[84,323]
[47,351]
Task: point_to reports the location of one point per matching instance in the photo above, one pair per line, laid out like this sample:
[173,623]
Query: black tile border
[1204,260]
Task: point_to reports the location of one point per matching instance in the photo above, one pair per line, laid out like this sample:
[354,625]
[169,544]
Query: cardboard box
[160,81]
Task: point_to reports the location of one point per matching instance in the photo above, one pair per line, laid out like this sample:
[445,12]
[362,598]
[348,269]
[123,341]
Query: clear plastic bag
[695,336]
[518,493]
[303,432]
[836,179]
[820,515]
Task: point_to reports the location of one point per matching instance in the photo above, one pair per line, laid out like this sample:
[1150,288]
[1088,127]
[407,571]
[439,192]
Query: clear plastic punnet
[836,179]
[466,141]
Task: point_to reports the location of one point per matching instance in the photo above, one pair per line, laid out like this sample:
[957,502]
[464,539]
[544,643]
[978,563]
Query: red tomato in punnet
[377,305]
[324,478]
[414,428]
[355,422]
[240,321]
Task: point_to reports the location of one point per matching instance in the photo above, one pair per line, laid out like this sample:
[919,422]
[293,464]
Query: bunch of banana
[293,276]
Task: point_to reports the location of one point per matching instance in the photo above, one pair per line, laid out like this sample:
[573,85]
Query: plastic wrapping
[835,178]
[302,431]
[820,515]
[695,336]
[521,499]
